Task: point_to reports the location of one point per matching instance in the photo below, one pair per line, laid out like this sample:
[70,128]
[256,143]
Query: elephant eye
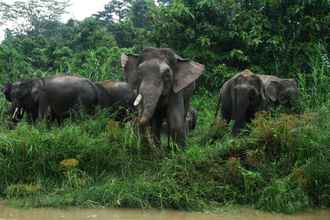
[166,75]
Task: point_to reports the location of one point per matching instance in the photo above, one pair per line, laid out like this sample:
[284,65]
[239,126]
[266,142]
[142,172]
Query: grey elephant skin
[240,98]
[53,97]
[191,121]
[279,91]
[164,83]
[246,93]
[118,96]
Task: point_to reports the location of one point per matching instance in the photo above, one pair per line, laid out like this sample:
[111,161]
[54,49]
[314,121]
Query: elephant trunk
[150,94]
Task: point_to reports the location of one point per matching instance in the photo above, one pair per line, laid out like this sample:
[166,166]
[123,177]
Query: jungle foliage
[283,164]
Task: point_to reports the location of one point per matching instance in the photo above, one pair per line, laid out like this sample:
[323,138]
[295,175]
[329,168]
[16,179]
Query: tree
[32,16]
[139,13]
[91,35]
[114,11]
[127,20]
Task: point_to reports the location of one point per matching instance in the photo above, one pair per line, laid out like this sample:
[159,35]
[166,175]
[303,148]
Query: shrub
[283,196]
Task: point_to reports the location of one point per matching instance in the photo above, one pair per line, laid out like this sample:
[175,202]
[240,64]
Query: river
[8,213]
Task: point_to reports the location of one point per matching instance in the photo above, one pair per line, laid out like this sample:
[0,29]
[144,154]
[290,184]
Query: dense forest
[283,164]
[271,37]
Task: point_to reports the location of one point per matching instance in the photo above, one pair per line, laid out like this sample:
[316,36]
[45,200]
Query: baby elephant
[240,98]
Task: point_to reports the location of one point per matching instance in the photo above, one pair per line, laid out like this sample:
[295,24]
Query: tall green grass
[281,165]
[98,162]
[314,85]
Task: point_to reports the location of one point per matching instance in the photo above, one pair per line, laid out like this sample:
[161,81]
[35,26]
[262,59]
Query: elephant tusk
[15,112]
[21,112]
[137,100]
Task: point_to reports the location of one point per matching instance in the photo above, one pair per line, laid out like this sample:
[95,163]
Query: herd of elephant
[158,86]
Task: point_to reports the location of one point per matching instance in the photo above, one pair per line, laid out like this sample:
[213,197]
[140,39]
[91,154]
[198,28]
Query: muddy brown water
[8,213]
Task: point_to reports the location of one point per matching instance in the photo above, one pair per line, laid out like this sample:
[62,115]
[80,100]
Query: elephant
[164,83]
[55,97]
[240,98]
[118,96]
[191,121]
[279,91]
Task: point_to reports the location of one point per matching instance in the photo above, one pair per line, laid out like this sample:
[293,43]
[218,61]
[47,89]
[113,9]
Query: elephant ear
[272,90]
[129,63]
[187,71]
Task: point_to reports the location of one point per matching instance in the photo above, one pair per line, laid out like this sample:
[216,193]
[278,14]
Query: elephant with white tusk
[53,97]
[164,83]
[56,97]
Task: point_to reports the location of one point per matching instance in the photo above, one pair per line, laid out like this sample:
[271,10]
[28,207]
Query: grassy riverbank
[281,165]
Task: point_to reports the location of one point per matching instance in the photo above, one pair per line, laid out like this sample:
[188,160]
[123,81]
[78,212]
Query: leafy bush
[282,196]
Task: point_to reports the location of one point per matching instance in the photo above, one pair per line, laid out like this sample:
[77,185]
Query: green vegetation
[282,164]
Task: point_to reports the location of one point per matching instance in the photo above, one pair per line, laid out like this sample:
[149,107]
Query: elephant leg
[87,103]
[43,106]
[155,128]
[32,117]
[176,119]
[250,115]
[240,108]
[90,109]
[225,115]
[56,117]
[238,125]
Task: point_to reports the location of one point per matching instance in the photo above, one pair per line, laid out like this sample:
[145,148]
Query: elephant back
[115,93]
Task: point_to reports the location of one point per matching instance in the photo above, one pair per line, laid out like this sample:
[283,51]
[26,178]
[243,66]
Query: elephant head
[156,74]
[282,91]
[240,98]
[20,96]
[247,95]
